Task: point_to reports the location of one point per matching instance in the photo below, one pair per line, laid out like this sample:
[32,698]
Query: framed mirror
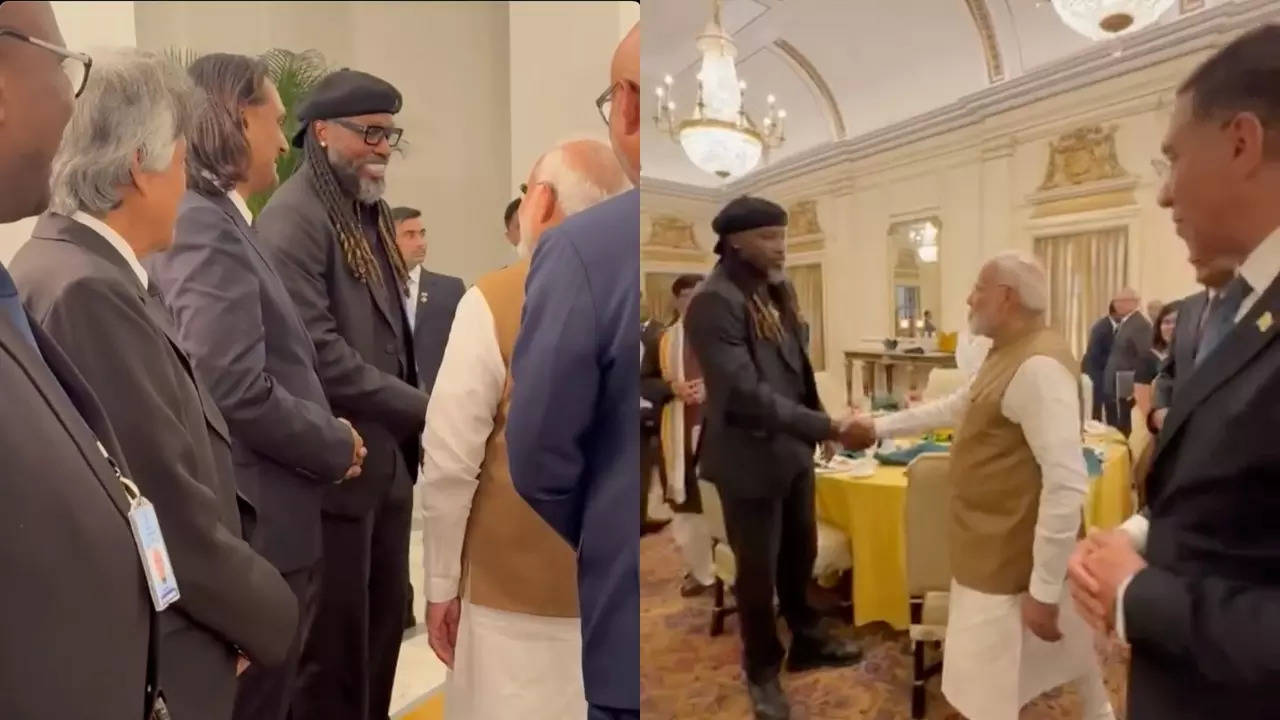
[914,276]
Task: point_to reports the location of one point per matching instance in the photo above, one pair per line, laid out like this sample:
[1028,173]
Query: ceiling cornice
[981,15]
[818,84]
[1204,30]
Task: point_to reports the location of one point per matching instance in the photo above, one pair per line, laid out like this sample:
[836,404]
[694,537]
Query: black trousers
[267,693]
[349,661]
[1120,415]
[775,542]
[600,712]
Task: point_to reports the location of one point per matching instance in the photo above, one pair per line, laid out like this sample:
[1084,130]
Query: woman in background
[1149,366]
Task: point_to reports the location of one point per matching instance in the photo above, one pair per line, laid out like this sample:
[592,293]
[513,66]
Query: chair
[833,553]
[942,382]
[928,565]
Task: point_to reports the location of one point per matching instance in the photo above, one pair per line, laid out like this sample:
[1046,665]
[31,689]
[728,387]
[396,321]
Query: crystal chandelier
[719,137]
[925,237]
[1105,19]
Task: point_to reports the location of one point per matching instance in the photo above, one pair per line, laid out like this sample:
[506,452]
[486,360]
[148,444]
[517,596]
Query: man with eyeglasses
[332,239]
[64,535]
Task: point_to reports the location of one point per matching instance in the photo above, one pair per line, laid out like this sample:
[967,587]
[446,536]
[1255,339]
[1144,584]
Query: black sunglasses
[76,65]
[373,134]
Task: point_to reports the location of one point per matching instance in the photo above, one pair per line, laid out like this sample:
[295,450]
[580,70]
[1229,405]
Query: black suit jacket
[1204,617]
[435,305]
[1182,351]
[75,611]
[755,440]
[362,342]
[1101,336]
[1132,343]
[86,297]
[652,385]
[238,324]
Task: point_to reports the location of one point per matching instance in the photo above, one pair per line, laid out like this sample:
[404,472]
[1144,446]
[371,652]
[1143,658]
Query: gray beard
[367,191]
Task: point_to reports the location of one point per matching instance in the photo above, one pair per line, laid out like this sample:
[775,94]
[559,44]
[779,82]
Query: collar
[117,242]
[1263,264]
[1125,319]
[241,205]
[415,274]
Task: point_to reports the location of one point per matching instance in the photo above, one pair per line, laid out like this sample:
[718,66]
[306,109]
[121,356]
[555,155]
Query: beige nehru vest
[512,559]
[994,476]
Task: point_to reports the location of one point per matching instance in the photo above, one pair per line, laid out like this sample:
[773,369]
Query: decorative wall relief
[802,219]
[1083,155]
[671,232]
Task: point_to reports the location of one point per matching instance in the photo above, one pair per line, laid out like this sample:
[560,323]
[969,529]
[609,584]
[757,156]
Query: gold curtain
[657,295]
[1085,271]
[807,280]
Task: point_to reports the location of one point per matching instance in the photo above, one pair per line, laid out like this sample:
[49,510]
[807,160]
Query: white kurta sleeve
[459,420]
[1044,400]
[941,413]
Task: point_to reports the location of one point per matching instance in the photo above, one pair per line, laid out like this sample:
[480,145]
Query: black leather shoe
[692,588]
[810,653]
[768,701]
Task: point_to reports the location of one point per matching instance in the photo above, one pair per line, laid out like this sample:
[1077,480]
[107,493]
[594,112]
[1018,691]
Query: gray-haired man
[117,180]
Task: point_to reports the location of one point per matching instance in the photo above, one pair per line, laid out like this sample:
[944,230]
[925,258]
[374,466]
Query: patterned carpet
[686,674]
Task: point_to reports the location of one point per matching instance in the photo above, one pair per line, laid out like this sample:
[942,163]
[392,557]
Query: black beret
[345,93]
[746,213]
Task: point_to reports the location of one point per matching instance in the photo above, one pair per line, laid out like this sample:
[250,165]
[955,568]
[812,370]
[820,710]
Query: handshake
[854,432]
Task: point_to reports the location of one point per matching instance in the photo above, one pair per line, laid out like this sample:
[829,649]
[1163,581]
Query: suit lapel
[59,384]
[1246,339]
[1188,323]
[420,303]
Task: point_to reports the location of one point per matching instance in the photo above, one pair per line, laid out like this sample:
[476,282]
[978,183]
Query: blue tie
[11,306]
[1223,317]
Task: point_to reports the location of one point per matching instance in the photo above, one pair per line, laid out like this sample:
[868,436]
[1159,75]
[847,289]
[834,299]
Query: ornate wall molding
[806,69]
[987,36]
[1081,156]
[802,219]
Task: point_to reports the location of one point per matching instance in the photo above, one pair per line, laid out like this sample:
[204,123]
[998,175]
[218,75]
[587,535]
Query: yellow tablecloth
[870,511]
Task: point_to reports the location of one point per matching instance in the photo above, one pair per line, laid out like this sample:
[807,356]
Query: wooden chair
[833,556]
[928,566]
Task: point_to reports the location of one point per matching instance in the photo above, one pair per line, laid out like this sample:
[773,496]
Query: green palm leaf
[295,75]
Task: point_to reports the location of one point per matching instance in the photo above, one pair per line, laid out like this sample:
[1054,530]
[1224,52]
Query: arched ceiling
[843,68]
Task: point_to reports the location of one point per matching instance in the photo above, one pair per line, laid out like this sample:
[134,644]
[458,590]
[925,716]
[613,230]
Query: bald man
[573,431]
[65,541]
[511,632]
[1019,482]
[1131,345]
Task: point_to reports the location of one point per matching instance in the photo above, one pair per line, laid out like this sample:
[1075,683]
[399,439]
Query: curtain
[657,295]
[807,280]
[1085,271]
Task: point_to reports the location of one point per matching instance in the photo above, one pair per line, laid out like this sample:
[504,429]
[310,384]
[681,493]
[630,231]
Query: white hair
[137,105]
[576,187]
[1026,276]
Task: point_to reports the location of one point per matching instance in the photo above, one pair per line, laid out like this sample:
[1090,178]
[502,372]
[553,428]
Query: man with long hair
[248,344]
[332,239]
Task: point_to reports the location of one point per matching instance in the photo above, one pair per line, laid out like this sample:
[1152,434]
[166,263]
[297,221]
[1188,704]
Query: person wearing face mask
[332,239]
[118,180]
[248,344]
[761,422]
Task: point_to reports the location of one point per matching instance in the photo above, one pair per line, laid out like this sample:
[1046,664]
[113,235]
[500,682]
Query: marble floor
[419,674]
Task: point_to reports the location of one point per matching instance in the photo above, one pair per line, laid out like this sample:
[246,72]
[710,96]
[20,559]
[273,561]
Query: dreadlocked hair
[772,307]
[342,211]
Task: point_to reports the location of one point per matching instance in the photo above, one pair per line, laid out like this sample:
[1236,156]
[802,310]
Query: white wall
[560,56]
[84,25]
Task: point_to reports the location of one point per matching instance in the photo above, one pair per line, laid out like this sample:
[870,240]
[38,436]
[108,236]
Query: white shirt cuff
[442,589]
[1120,609]
[1136,527]
[1045,592]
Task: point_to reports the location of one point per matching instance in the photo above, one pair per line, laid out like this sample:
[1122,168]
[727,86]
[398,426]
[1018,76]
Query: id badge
[155,556]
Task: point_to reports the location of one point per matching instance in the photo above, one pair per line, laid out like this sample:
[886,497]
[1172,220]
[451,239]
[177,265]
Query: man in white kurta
[1005,648]
[501,584]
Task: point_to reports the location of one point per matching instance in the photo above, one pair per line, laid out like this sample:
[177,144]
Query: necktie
[1222,317]
[11,307]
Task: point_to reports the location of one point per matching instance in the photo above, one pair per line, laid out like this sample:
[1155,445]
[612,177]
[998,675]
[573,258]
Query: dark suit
[1132,343]
[762,421]
[1094,362]
[434,306]
[83,293]
[248,344]
[657,391]
[75,612]
[573,428]
[1181,354]
[1203,618]
[366,366]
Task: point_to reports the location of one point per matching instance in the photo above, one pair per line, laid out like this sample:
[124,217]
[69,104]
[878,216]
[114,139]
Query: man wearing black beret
[331,238]
[762,421]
